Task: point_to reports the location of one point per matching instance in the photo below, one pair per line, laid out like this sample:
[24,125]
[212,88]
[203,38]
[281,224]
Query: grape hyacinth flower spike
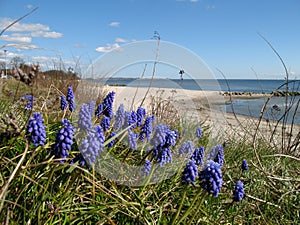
[238,192]
[141,113]
[29,101]
[187,148]
[199,132]
[198,156]
[146,128]
[190,173]
[91,147]
[211,178]
[63,103]
[85,117]
[132,140]
[217,155]
[244,165]
[119,118]
[64,140]
[147,168]
[35,131]
[107,105]
[71,99]
[105,123]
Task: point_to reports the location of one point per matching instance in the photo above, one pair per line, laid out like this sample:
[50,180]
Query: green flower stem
[198,207]
[190,209]
[180,206]
[5,187]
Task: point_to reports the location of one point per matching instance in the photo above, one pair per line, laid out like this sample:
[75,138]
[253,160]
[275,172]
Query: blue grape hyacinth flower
[108,105]
[35,131]
[119,118]
[198,156]
[105,123]
[217,154]
[146,129]
[99,110]
[29,101]
[141,113]
[199,132]
[163,138]
[159,136]
[91,147]
[244,165]
[111,144]
[163,155]
[71,99]
[147,168]
[63,141]
[187,148]
[211,178]
[63,103]
[132,140]
[238,192]
[85,117]
[190,173]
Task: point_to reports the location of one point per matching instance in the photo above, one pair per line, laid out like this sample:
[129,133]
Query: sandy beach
[204,107]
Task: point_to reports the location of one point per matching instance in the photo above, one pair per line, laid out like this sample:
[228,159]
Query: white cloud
[121,40]
[194,0]
[22,27]
[209,7]
[29,6]
[16,38]
[46,34]
[108,47]
[114,24]
[20,46]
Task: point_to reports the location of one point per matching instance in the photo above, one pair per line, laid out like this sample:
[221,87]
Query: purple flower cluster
[132,140]
[111,144]
[238,192]
[198,156]
[163,138]
[217,155]
[91,147]
[105,123]
[199,132]
[29,101]
[211,178]
[187,148]
[244,165]
[35,131]
[85,117]
[64,140]
[146,128]
[140,113]
[106,107]
[147,168]
[119,118]
[130,119]
[99,110]
[63,103]
[71,99]
[190,173]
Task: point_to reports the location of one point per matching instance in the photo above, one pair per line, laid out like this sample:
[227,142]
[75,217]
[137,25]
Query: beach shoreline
[198,105]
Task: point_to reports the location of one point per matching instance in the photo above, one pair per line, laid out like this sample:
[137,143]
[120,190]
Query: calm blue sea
[249,107]
[257,86]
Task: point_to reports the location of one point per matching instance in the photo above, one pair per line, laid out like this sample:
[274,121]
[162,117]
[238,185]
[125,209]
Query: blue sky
[223,33]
